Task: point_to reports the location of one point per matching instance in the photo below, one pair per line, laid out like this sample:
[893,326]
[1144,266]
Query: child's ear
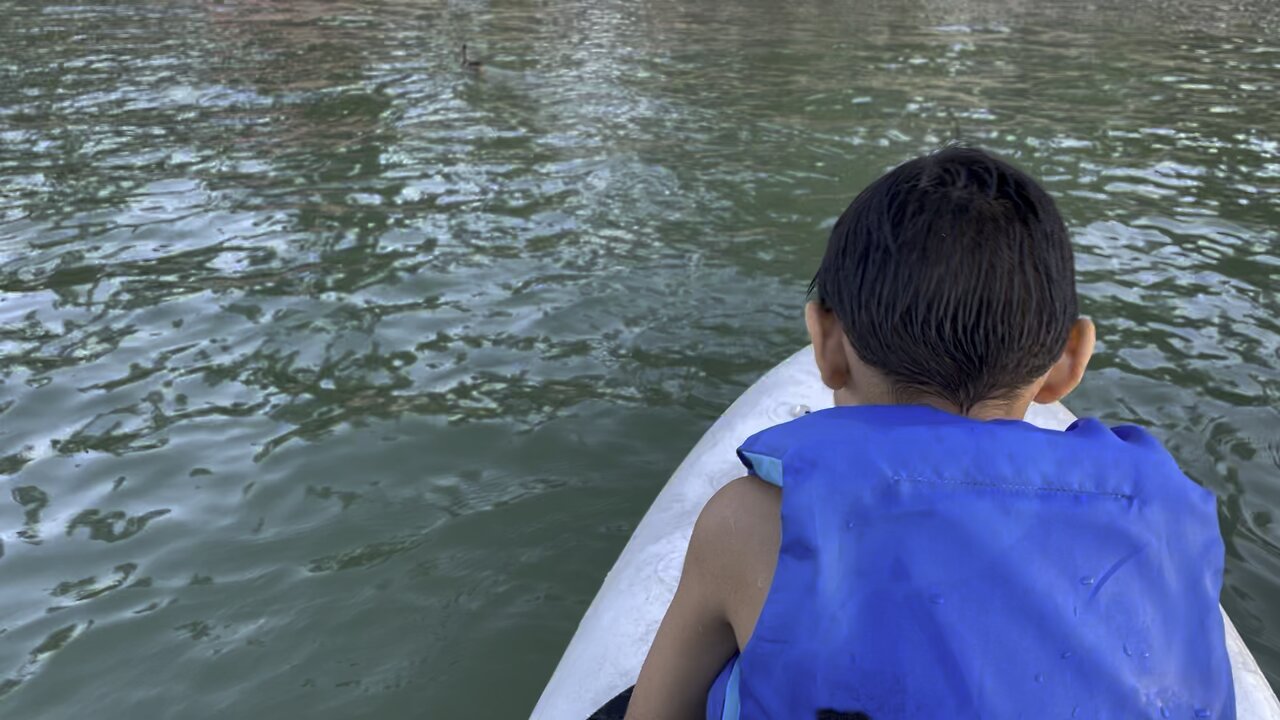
[1065,374]
[827,336]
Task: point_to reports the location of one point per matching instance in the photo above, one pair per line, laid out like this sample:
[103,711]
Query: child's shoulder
[746,497]
[738,511]
[734,547]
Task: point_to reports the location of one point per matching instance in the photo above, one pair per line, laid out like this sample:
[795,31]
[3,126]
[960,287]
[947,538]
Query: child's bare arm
[721,582]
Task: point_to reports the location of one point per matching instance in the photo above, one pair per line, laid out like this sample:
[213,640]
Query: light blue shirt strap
[768,469]
[730,711]
[718,696]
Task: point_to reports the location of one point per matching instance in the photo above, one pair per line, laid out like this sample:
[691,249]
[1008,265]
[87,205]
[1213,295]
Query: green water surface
[333,377]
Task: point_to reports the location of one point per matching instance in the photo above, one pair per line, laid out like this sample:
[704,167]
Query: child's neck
[865,385]
[1011,409]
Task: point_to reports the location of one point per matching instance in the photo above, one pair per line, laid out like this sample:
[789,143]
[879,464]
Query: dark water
[333,377]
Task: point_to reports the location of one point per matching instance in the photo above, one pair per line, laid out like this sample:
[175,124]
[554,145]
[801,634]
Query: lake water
[333,377]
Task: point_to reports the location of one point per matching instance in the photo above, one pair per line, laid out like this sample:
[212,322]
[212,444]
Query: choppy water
[333,377]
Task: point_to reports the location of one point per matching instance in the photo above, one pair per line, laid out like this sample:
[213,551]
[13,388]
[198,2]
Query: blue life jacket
[934,567]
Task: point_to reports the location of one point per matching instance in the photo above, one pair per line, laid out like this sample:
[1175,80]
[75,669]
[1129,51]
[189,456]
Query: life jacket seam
[1014,486]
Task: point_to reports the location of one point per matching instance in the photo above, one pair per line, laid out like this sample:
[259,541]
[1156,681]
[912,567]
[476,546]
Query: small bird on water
[469,64]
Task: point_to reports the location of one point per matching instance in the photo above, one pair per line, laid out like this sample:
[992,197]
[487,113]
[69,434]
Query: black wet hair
[952,274]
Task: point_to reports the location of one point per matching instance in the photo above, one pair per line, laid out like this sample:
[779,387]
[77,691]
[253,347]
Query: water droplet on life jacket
[1039,677]
[1201,712]
[1164,712]
[799,410]
[937,599]
[1066,654]
[1075,711]
[1127,651]
[1086,580]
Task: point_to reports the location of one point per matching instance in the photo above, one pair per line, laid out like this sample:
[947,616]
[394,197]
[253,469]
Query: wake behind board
[606,652]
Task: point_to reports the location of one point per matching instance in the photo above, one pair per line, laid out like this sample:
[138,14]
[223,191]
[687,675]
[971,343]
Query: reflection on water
[333,376]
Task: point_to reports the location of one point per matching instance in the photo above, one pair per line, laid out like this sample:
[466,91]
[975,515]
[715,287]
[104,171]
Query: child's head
[949,280]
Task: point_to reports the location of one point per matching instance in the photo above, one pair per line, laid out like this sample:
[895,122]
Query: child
[918,551]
